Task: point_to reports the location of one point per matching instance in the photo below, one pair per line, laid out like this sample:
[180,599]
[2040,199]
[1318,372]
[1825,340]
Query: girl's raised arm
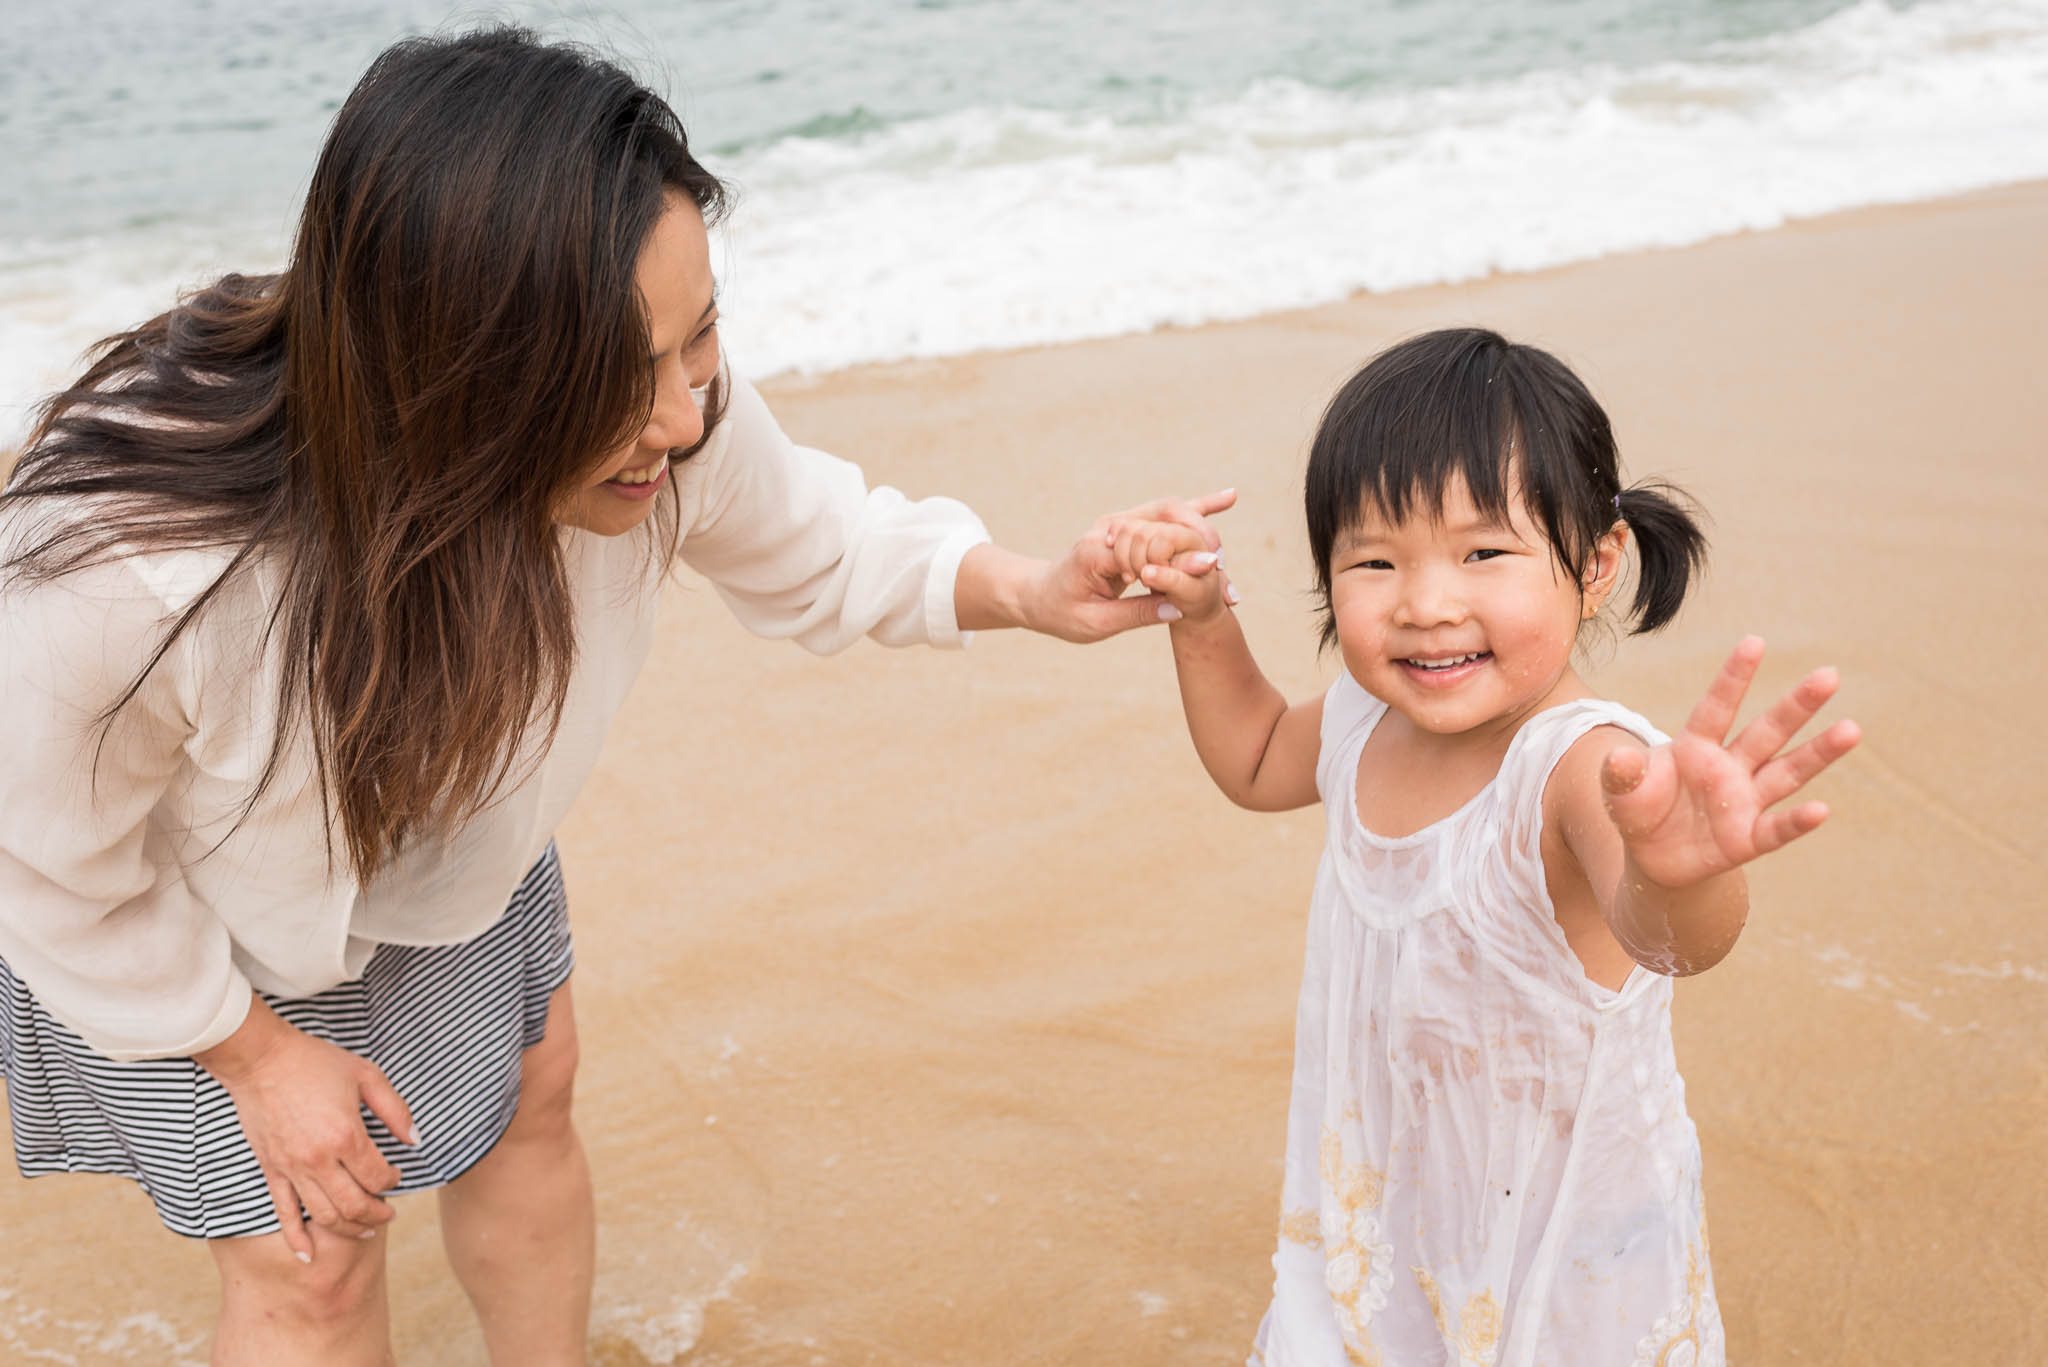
[1682,819]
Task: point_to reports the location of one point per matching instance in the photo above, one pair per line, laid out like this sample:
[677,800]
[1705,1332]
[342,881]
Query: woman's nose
[677,422]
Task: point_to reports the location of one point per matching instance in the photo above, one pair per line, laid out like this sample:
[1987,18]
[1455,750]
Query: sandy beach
[937,1010]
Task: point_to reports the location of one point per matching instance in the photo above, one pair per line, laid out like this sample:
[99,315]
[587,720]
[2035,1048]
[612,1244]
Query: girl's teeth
[1451,663]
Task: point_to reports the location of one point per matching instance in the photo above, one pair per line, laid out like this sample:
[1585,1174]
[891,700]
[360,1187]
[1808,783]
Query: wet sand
[937,1010]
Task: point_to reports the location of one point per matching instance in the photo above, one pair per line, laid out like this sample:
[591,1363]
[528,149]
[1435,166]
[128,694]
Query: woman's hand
[299,1101]
[1701,806]
[1079,597]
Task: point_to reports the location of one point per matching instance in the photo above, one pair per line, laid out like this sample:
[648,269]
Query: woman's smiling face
[678,292]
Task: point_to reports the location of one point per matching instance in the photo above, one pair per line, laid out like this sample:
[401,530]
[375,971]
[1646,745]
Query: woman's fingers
[1138,610]
[388,1106]
[1188,512]
[319,1203]
[285,1202]
[1715,712]
[364,1175]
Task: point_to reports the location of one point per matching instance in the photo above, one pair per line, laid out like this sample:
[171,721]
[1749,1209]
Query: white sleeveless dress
[1489,1163]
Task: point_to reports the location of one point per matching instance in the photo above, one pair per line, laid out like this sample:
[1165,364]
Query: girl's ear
[1603,569]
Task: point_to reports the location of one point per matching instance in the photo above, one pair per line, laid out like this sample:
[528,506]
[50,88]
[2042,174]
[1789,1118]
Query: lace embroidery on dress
[1358,1265]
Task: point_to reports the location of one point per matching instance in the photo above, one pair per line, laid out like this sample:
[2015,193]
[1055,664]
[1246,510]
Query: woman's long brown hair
[390,425]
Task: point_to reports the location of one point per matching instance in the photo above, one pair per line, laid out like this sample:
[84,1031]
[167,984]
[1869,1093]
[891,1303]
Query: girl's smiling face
[677,291]
[1462,624]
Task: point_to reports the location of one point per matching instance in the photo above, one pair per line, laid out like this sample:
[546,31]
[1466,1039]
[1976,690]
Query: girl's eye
[1375,564]
[1485,553]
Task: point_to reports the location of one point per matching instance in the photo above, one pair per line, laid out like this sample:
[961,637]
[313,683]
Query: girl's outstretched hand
[1701,805]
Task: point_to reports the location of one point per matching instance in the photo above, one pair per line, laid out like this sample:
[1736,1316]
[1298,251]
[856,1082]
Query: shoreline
[936,1009]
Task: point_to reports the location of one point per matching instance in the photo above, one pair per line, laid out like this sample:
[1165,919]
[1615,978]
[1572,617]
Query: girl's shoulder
[1348,708]
[1349,714]
[1559,752]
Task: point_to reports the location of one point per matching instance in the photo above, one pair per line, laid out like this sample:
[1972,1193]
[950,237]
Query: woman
[319,592]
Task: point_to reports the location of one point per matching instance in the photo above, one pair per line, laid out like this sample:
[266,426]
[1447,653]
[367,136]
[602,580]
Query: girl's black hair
[1509,420]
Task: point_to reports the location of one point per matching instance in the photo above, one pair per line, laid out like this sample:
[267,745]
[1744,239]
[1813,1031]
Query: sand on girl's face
[935,1009]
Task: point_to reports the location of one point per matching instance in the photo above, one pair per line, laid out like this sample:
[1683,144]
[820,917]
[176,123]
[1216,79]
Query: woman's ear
[1603,569]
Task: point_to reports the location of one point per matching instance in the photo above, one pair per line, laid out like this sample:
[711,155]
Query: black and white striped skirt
[446,1023]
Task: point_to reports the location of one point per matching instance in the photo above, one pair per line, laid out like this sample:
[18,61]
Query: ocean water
[928,177]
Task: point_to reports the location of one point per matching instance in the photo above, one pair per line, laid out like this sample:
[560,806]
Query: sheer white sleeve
[95,914]
[801,548]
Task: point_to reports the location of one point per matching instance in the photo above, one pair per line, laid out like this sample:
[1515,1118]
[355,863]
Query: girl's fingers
[1766,735]
[1621,774]
[1169,582]
[289,1223]
[1790,772]
[1715,712]
[1777,829]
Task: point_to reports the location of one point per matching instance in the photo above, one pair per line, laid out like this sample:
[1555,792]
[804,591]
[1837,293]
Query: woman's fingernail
[1230,594]
[367,1234]
[1204,559]
[1168,613]
[302,1255]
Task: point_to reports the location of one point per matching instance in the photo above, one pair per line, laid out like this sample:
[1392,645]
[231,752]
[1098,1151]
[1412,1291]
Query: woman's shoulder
[120,610]
[60,536]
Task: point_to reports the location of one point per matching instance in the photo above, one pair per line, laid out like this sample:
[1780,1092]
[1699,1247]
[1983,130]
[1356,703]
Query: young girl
[1488,1155]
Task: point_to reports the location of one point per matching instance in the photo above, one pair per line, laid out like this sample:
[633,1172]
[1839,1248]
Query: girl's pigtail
[1671,547]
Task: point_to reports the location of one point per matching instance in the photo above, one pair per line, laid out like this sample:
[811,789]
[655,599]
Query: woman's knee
[337,1294]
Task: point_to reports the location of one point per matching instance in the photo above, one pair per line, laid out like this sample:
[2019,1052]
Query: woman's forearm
[994,588]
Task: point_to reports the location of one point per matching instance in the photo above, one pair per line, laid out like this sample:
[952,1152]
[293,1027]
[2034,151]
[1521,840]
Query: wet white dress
[1489,1163]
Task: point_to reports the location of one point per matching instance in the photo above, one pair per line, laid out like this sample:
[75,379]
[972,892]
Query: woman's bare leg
[276,1311]
[520,1226]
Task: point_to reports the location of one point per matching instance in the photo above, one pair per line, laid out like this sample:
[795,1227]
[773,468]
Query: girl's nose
[1429,599]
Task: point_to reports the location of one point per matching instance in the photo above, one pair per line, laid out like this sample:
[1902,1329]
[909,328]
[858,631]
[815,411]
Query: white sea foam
[992,228]
[998,227]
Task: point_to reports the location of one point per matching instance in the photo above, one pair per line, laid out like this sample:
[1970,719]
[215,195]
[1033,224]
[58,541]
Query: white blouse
[1489,1162]
[141,904]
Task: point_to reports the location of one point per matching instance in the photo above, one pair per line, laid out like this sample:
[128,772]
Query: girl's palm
[1701,805]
